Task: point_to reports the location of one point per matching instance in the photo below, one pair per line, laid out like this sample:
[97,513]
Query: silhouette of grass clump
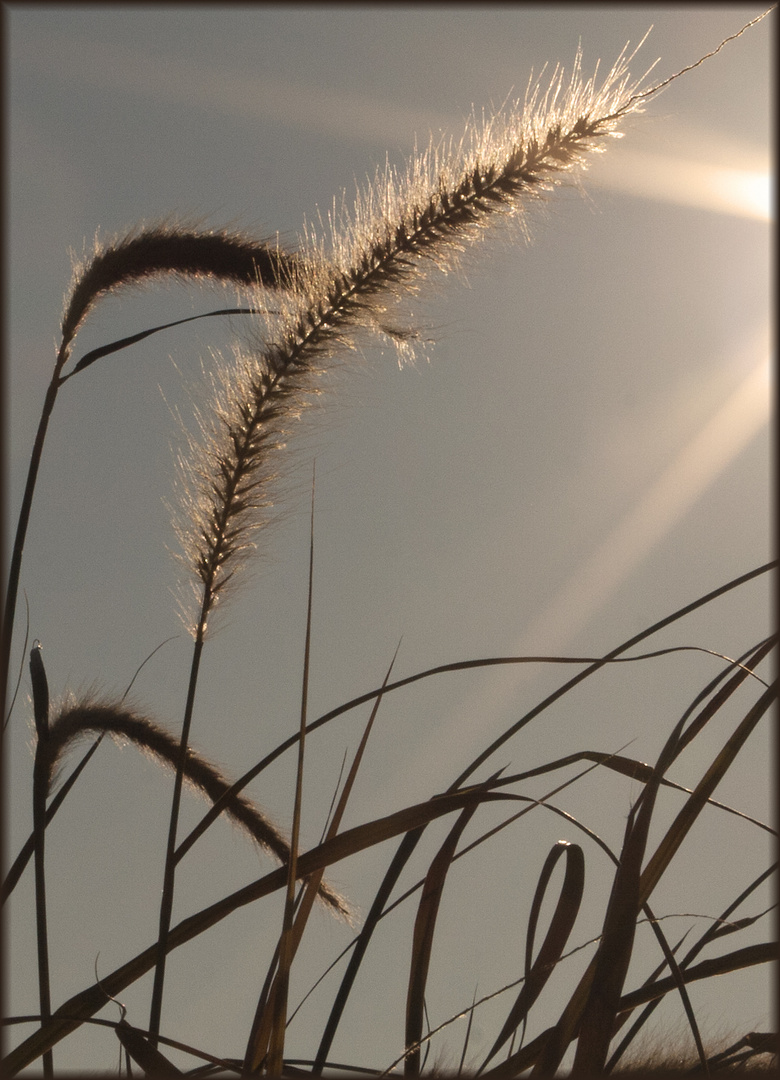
[328,295]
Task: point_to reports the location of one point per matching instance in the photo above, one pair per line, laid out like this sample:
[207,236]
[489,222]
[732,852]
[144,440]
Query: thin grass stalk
[467,1036]
[26,851]
[314,881]
[17,550]
[280,988]
[40,688]
[166,903]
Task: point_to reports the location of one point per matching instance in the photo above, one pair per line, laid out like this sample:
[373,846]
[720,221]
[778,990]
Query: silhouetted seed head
[78,719]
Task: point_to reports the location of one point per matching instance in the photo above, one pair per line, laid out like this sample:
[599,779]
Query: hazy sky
[583,449]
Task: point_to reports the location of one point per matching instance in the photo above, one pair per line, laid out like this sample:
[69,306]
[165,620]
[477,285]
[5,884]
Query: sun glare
[749,193]
[741,192]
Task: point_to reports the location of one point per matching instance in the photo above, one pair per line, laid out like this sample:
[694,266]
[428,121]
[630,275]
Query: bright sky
[584,450]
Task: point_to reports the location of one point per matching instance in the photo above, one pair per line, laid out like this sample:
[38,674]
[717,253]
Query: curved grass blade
[463,665]
[537,973]
[143,1053]
[422,939]
[765,952]
[123,343]
[694,805]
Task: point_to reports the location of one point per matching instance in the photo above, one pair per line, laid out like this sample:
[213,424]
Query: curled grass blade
[410,841]
[537,972]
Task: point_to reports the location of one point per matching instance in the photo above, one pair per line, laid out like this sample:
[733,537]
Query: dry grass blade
[722,925]
[40,688]
[422,940]
[464,665]
[537,973]
[266,1043]
[258,1038]
[764,952]
[602,1006]
[143,1053]
[133,339]
[694,805]
[617,939]
[410,841]
[642,636]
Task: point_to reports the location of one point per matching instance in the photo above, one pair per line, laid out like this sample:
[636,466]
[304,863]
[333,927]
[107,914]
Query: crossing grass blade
[537,971]
[422,939]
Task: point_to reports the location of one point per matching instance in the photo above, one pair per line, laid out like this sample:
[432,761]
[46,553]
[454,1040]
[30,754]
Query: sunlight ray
[696,467]
[672,179]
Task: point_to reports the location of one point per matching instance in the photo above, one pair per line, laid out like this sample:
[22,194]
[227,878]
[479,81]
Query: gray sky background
[583,450]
